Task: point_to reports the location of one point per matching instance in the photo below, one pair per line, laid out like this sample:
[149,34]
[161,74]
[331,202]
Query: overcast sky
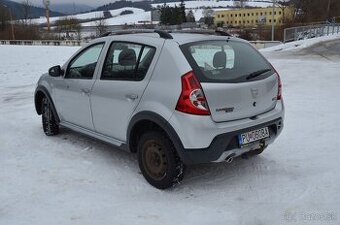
[86,2]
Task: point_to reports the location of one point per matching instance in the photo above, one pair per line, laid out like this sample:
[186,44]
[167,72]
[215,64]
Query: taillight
[192,99]
[279,92]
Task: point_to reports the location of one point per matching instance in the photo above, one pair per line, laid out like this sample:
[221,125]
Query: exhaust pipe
[230,158]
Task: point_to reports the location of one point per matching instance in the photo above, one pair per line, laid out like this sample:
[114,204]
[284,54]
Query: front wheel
[49,123]
[158,160]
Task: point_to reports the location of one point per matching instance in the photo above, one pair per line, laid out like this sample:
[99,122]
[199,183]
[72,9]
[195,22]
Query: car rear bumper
[200,140]
[227,144]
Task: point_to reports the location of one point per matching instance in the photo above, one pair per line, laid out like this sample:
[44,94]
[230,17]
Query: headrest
[127,57]
[220,59]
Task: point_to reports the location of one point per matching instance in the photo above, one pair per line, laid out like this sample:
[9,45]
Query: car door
[125,74]
[71,93]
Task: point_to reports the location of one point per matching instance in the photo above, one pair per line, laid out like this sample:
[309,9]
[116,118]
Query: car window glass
[221,61]
[84,65]
[127,61]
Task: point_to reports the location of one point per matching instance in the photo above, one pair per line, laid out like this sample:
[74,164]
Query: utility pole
[47,8]
[11,21]
[328,9]
[273,24]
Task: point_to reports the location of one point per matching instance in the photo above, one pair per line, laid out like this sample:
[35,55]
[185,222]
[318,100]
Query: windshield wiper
[257,73]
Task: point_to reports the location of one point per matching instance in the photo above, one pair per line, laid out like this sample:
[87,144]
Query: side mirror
[55,71]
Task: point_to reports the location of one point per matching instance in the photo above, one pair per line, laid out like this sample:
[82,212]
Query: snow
[72,179]
[214,4]
[301,44]
[139,16]
[93,15]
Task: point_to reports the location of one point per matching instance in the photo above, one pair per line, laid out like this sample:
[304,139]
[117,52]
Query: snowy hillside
[98,14]
[141,15]
[73,179]
[214,4]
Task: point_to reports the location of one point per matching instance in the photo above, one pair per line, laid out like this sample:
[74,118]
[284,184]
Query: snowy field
[72,179]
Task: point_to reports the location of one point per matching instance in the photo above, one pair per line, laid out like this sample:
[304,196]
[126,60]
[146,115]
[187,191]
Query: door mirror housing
[55,71]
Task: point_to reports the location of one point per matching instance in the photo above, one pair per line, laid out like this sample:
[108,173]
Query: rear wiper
[257,73]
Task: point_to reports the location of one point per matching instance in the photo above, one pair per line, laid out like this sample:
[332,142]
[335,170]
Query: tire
[49,123]
[158,160]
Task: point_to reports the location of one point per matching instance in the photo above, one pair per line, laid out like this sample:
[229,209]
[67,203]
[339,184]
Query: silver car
[175,99]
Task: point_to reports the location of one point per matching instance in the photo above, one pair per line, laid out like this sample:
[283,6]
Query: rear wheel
[158,160]
[49,123]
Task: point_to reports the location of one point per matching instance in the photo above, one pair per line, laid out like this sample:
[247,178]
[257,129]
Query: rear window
[226,61]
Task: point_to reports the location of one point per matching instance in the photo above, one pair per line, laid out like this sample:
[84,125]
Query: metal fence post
[285,35]
[327,29]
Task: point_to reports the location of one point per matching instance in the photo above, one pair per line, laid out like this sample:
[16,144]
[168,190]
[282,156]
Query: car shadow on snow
[196,176]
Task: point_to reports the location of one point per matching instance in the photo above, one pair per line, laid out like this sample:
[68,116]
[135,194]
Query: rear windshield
[226,61]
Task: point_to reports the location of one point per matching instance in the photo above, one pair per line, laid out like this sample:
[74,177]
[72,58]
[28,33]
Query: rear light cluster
[279,92]
[192,99]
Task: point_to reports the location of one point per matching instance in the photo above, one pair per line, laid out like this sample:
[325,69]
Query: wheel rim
[154,160]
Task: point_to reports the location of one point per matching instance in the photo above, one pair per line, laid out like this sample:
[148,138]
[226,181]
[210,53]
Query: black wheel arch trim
[162,123]
[47,94]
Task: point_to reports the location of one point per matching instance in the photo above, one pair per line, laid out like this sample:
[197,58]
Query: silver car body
[105,109]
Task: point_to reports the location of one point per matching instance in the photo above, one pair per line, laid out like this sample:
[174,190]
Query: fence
[311,31]
[43,42]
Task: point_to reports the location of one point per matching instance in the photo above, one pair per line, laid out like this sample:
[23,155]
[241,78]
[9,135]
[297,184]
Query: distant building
[252,17]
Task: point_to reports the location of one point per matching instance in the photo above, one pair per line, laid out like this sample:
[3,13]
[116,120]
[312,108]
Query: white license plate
[253,136]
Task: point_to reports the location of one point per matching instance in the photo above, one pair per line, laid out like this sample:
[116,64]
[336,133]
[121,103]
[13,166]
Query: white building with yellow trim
[252,17]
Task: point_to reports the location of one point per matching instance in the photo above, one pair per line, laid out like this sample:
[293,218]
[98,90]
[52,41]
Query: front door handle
[85,91]
[131,97]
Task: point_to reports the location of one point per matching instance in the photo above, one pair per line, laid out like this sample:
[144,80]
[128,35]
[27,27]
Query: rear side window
[127,61]
[226,61]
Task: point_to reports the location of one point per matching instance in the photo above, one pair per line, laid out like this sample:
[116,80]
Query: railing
[43,42]
[310,31]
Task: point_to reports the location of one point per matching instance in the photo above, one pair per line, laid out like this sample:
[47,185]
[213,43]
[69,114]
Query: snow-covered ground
[72,179]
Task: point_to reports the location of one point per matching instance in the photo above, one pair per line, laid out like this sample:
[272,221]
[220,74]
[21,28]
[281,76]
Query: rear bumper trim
[227,143]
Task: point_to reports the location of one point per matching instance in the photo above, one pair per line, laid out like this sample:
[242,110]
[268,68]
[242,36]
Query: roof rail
[202,31]
[166,34]
[161,33]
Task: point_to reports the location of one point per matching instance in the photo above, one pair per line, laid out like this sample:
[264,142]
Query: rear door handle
[131,97]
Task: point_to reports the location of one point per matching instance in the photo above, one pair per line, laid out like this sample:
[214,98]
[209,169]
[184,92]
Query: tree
[182,13]
[101,27]
[69,25]
[190,17]
[208,15]
[316,10]
[172,15]
[4,18]
[26,8]
[240,3]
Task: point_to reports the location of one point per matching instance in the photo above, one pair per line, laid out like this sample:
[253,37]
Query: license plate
[253,136]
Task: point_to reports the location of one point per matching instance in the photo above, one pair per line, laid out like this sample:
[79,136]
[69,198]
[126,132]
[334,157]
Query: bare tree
[240,3]
[26,8]
[101,26]
[69,26]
